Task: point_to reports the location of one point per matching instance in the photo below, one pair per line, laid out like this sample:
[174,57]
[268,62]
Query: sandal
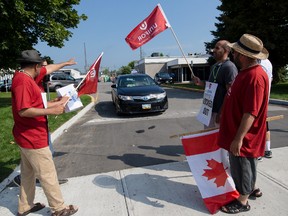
[235,207]
[66,211]
[37,207]
[256,193]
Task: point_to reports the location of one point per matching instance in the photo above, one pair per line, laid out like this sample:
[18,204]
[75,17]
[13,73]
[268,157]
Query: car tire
[118,112]
[57,87]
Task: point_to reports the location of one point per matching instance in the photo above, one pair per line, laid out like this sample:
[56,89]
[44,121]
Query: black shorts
[243,171]
[267,126]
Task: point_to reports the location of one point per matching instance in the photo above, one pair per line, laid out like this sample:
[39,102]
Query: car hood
[140,90]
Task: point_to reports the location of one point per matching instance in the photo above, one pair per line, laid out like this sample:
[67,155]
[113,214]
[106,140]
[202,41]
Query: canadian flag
[154,24]
[90,82]
[210,168]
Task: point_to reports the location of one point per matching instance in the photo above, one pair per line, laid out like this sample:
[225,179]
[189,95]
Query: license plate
[146,106]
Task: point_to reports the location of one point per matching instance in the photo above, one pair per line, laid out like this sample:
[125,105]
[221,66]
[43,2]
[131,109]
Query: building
[175,65]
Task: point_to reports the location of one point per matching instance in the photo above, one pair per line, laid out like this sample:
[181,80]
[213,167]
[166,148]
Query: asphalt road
[101,141]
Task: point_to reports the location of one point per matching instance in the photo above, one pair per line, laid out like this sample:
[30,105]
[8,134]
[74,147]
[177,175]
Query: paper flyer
[74,102]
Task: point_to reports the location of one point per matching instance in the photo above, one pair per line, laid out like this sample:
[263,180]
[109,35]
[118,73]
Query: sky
[110,21]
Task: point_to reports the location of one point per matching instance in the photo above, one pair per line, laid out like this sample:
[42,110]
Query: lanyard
[215,74]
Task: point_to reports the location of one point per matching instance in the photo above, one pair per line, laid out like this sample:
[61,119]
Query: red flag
[154,24]
[90,82]
[210,168]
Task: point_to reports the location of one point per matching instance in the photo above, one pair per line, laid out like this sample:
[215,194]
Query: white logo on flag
[143,26]
[93,73]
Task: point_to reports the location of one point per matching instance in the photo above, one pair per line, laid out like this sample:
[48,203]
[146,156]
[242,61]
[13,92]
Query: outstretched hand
[71,62]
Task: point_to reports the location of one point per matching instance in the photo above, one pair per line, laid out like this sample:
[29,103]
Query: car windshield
[133,81]
[164,75]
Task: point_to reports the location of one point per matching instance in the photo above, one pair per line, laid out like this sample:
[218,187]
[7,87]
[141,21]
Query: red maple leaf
[217,171]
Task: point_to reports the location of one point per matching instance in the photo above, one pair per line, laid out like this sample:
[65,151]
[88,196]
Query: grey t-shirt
[222,73]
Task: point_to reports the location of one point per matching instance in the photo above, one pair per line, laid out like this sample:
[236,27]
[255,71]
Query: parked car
[6,86]
[138,93]
[163,77]
[59,79]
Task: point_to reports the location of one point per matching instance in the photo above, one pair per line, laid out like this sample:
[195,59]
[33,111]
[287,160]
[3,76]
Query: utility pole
[141,53]
[85,67]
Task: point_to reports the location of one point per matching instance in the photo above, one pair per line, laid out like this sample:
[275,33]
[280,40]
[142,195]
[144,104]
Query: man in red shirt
[46,70]
[243,121]
[30,132]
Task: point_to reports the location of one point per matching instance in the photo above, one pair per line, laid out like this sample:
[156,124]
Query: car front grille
[145,98]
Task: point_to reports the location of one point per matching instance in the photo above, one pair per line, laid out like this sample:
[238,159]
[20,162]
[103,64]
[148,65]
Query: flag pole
[169,26]
[182,51]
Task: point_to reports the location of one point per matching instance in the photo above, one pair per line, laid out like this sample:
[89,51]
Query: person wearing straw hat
[223,72]
[243,122]
[30,132]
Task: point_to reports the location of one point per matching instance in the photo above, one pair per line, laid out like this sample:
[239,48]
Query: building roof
[174,61]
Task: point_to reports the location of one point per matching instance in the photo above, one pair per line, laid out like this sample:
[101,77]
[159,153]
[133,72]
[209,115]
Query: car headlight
[159,96]
[125,97]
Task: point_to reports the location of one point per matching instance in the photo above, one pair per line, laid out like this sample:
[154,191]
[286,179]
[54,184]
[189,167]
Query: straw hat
[30,56]
[251,46]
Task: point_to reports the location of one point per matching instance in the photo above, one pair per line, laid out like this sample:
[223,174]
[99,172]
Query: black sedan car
[138,93]
[163,78]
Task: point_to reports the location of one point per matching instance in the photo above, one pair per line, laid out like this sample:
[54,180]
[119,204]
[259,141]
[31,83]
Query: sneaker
[268,154]
[260,158]
[17,180]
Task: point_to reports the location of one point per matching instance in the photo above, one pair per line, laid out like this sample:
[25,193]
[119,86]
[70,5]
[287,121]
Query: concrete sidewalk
[166,189]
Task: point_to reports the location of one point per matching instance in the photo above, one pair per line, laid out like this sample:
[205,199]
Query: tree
[24,23]
[267,20]
[131,64]
[125,69]
[106,71]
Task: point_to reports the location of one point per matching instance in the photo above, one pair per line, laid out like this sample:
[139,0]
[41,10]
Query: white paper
[205,112]
[74,102]
[44,99]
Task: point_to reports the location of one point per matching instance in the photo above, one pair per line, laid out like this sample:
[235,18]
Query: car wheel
[118,112]
[113,101]
[57,87]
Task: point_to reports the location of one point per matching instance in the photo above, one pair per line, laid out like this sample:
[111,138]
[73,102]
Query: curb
[63,128]
[278,102]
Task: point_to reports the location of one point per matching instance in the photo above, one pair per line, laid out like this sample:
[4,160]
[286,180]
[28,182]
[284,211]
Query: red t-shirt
[248,94]
[31,132]
[40,77]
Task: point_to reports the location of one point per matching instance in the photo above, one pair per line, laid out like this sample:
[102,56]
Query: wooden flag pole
[195,132]
[192,74]
[272,118]
[268,119]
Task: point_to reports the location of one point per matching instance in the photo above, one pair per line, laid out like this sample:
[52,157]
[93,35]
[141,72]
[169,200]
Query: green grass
[279,91]
[186,85]
[9,151]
